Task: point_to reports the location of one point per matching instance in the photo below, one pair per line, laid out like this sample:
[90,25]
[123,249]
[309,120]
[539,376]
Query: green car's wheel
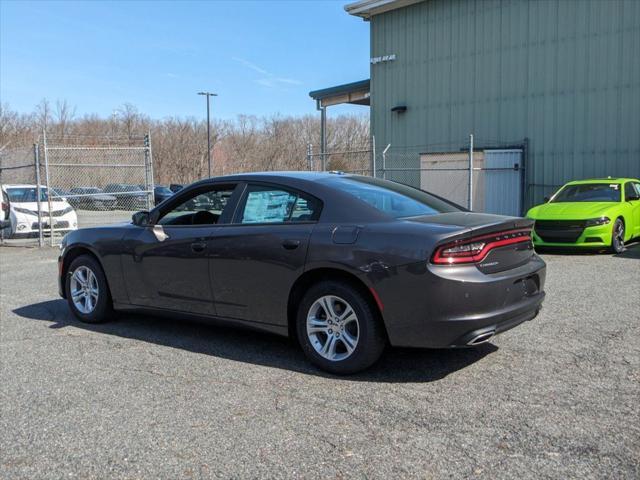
[617,236]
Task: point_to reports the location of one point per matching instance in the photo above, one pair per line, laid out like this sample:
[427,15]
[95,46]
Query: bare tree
[43,114]
[247,143]
[64,114]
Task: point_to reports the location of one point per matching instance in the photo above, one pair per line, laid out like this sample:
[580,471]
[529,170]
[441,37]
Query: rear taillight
[475,250]
[5,207]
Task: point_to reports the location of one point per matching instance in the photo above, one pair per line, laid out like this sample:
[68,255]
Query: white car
[23,211]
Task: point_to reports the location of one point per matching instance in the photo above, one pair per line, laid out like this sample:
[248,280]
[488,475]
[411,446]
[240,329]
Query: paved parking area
[558,397]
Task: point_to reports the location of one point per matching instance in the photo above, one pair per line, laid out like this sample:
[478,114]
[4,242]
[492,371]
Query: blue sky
[261,57]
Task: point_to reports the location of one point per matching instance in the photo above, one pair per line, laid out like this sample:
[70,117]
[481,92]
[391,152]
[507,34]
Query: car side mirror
[546,199]
[633,198]
[141,219]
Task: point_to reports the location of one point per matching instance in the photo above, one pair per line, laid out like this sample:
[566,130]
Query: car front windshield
[25,194]
[392,198]
[588,192]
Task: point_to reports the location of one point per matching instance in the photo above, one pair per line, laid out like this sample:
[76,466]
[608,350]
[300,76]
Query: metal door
[503,171]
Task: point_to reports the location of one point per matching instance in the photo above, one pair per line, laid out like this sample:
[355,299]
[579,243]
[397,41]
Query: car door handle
[290,244]
[198,247]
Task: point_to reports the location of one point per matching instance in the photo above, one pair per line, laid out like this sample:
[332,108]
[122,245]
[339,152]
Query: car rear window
[264,204]
[392,198]
[588,192]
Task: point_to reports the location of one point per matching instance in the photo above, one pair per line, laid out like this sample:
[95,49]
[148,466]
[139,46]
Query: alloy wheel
[618,236]
[84,289]
[333,328]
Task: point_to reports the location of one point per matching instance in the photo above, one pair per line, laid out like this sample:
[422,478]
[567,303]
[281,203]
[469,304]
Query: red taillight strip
[377,299]
[524,236]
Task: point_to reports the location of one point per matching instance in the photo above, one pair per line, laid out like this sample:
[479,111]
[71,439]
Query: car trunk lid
[500,243]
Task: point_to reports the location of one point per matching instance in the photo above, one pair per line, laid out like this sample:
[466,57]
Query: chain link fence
[102,179]
[70,182]
[64,183]
[479,174]
[358,160]
[18,172]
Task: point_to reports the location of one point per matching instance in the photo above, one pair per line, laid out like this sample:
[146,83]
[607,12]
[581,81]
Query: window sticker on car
[267,207]
[615,186]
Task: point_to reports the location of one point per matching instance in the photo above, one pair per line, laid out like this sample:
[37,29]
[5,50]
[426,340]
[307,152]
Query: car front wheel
[617,236]
[339,328]
[87,290]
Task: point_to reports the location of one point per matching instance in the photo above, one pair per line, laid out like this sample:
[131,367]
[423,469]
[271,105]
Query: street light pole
[208,94]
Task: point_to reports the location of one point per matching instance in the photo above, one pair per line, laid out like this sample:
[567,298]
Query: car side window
[637,185]
[200,208]
[274,205]
[630,192]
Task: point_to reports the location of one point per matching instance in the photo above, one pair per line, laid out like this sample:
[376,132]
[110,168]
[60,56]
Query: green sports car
[598,213]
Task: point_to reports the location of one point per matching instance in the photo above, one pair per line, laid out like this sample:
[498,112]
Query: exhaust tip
[482,338]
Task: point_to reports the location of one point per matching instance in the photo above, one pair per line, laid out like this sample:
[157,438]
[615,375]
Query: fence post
[523,176]
[470,201]
[46,173]
[36,161]
[323,138]
[148,167]
[373,157]
[384,161]
[310,157]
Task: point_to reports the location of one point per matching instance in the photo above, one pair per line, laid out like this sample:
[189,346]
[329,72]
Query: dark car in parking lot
[161,193]
[128,196]
[344,264]
[91,198]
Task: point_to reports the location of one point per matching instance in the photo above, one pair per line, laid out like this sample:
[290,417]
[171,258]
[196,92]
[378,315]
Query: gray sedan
[343,264]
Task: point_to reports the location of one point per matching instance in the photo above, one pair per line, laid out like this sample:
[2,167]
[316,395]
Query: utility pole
[208,94]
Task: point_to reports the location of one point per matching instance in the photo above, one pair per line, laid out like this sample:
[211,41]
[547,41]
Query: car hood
[570,210]
[44,205]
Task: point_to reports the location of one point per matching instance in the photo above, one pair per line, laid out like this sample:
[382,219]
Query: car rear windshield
[163,191]
[26,194]
[393,199]
[589,192]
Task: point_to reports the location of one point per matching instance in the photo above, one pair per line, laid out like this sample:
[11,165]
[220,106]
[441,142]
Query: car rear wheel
[339,329]
[617,236]
[87,290]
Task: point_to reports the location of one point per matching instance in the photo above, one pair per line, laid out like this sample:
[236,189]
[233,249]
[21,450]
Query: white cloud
[250,65]
[267,79]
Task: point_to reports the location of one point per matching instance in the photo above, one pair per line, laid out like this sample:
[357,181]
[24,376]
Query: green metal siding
[563,73]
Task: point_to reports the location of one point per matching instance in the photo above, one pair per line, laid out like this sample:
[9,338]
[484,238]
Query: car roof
[20,185]
[299,176]
[602,180]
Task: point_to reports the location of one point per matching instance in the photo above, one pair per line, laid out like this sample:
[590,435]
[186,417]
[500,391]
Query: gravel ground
[143,397]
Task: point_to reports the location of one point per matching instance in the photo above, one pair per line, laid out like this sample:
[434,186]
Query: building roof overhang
[367,8]
[356,93]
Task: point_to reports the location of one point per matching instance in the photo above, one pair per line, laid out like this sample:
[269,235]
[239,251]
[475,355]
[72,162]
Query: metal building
[554,81]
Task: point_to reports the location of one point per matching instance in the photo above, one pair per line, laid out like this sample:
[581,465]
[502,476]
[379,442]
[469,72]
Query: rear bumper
[439,307]
[481,328]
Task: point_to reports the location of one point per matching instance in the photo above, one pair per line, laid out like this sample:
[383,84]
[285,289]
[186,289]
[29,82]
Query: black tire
[371,336]
[103,309]
[617,236]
